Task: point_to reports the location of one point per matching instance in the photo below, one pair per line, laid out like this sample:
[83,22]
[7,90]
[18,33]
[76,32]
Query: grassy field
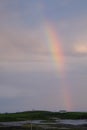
[41,115]
[47,116]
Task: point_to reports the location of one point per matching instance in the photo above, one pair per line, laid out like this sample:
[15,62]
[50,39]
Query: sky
[43,55]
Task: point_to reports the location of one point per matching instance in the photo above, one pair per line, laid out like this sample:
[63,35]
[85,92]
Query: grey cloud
[34,89]
[18,44]
[77,84]
[12,14]
[28,90]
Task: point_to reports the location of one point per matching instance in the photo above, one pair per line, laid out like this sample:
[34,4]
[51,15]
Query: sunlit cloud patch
[80,48]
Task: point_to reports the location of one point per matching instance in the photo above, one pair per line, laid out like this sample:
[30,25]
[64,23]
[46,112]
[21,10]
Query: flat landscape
[40,120]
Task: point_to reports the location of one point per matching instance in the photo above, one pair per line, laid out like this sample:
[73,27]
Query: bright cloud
[80,48]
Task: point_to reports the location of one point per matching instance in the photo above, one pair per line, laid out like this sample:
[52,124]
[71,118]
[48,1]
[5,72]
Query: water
[65,121]
[73,122]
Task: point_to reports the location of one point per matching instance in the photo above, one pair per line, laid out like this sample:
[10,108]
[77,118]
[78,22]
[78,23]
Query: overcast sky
[29,77]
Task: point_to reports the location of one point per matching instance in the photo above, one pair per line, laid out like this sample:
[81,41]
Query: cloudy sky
[30,78]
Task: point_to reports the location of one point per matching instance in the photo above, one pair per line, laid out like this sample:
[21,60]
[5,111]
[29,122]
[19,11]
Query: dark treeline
[41,115]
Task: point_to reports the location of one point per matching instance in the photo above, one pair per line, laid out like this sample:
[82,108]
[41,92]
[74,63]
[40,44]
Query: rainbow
[54,46]
[56,51]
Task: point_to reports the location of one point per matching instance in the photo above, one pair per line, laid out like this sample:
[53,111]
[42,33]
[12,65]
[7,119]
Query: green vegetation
[21,116]
[41,115]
